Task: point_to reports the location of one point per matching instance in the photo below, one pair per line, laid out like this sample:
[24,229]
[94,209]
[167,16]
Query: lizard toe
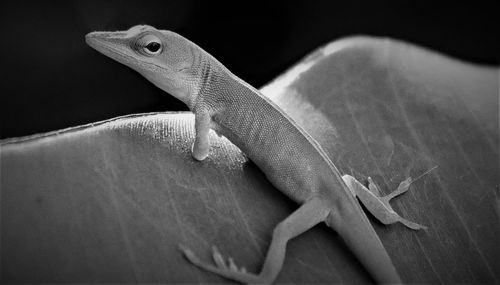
[224,264]
[218,258]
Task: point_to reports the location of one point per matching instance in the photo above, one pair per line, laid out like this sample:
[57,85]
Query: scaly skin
[290,158]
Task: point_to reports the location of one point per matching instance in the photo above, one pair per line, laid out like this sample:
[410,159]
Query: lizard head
[163,57]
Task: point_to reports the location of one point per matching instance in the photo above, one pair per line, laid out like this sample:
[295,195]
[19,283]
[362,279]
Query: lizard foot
[227,269]
[379,205]
[199,153]
[402,188]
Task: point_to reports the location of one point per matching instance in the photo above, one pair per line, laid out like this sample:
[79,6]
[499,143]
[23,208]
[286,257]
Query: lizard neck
[210,77]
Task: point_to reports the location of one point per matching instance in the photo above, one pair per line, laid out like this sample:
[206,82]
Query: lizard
[291,159]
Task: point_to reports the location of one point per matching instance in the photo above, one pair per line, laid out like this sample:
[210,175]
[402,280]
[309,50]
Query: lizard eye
[150,45]
[153,47]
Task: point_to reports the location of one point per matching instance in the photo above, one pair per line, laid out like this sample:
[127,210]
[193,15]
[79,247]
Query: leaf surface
[111,201]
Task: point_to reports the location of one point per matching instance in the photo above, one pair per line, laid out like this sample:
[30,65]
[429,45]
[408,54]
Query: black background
[51,79]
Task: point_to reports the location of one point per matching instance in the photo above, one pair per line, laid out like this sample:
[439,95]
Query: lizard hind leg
[379,205]
[305,217]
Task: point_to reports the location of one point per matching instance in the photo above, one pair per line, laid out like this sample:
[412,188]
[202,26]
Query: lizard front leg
[308,215]
[379,205]
[201,145]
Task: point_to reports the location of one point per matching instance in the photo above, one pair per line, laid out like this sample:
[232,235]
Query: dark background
[51,79]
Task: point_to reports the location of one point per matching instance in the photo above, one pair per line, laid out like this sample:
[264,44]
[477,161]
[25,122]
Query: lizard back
[289,157]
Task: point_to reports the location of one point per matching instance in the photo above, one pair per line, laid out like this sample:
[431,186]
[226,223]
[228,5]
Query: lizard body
[289,157]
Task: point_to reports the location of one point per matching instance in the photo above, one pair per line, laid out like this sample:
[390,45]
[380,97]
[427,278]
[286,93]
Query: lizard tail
[358,234]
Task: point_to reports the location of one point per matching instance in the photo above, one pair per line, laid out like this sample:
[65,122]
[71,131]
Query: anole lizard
[289,157]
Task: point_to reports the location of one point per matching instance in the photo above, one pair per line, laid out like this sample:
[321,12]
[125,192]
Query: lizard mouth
[104,44]
[113,47]
[116,48]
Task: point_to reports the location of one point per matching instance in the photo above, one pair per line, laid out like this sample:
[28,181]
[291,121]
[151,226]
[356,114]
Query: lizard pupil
[153,46]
